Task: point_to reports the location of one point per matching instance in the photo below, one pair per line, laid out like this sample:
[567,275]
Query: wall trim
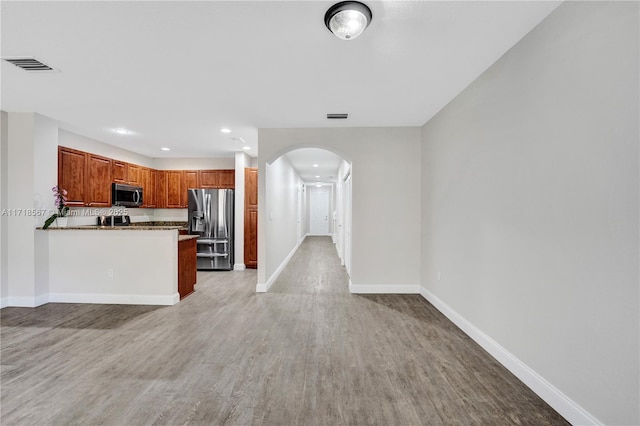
[4,302]
[384,288]
[27,302]
[560,402]
[115,299]
[264,287]
[239,267]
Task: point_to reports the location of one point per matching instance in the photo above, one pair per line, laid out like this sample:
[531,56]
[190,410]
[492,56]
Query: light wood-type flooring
[306,352]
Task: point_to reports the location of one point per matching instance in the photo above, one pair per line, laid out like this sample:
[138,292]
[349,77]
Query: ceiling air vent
[337,116]
[30,64]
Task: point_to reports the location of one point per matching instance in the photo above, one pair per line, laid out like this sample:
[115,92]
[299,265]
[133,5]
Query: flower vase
[61,222]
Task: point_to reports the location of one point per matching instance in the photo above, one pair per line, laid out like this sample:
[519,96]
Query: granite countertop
[187,237]
[140,226]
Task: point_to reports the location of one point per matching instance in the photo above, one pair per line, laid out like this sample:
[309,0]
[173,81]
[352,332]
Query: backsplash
[79,216]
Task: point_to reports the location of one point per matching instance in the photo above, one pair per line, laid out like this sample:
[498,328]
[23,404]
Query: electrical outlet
[110,272]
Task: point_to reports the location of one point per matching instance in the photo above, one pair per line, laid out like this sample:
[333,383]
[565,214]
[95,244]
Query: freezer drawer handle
[211,241]
[212,254]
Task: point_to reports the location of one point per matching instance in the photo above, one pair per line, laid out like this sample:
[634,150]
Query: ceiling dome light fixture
[347,19]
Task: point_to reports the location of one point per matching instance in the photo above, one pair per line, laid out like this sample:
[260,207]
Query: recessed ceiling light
[316,165]
[246,148]
[122,131]
[318,185]
[317,176]
[165,149]
[225,130]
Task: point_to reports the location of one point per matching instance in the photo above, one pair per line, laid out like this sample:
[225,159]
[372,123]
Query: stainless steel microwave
[126,195]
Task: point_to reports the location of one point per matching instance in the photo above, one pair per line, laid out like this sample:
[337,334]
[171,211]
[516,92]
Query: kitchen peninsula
[120,264]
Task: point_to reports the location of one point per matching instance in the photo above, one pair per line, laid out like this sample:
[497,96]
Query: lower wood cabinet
[187,273]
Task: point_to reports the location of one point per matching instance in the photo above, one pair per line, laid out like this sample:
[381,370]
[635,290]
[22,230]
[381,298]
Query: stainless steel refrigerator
[211,217]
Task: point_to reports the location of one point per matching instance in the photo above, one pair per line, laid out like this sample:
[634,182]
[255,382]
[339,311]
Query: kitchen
[120,264]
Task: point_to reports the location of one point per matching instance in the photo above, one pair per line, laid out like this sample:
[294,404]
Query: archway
[295,194]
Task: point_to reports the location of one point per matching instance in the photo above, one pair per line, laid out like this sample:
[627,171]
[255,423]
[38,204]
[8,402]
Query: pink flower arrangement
[60,195]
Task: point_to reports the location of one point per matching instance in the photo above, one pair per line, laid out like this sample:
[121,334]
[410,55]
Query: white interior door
[319,211]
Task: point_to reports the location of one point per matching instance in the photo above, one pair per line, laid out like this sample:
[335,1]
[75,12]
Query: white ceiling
[175,73]
[303,161]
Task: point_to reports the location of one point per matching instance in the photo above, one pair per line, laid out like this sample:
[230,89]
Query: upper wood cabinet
[134,174]
[161,189]
[119,171]
[72,175]
[189,181]
[220,179]
[227,179]
[151,191]
[174,189]
[98,181]
[86,177]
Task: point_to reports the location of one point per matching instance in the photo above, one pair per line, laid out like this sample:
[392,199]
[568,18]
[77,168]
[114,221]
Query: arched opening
[307,192]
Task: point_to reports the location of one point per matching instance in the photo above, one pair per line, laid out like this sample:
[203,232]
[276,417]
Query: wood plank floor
[307,352]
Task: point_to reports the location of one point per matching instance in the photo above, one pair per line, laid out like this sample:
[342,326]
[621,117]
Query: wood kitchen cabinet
[86,177]
[150,195]
[174,187]
[119,171]
[189,181]
[217,179]
[148,184]
[134,174]
[72,175]
[251,217]
[98,181]
[187,259]
[161,189]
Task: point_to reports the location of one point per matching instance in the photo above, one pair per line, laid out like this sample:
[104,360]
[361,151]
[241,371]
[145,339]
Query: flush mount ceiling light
[347,19]
[225,130]
[166,149]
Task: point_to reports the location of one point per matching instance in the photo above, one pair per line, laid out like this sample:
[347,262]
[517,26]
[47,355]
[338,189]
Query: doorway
[319,211]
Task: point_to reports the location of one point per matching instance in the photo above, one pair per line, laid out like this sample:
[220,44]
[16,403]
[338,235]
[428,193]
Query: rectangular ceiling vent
[30,64]
[337,116]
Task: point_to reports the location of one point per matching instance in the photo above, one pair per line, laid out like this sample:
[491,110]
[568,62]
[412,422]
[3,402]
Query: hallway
[306,352]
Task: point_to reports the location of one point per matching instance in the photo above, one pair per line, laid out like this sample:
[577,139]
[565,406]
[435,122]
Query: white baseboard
[560,402]
[264,287]
[384,288]
[4,302]
[27,302]
[114,299]
[239,267]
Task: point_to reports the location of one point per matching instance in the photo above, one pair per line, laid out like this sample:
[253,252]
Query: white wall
[386,211]
[83,143]
[341,218]
[530,209]
[279,208]
[242,161]
[193,163]
[31,138]
[4,218]
[143,264]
